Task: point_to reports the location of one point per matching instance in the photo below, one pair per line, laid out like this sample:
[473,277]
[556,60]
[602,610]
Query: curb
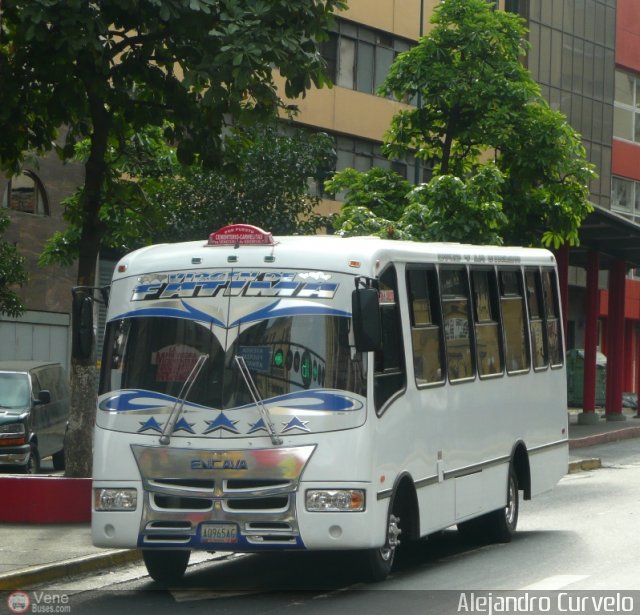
[594,463]
[35,575]
[602,438]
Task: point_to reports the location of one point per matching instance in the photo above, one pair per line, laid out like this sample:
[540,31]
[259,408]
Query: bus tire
[378,563]
[501,524]
[497,525]
[164,566]
[473,530]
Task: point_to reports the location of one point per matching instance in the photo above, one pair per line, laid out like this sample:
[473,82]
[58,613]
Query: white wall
[39,336]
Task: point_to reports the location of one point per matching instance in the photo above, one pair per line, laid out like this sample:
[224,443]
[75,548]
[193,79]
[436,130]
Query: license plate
[219,532]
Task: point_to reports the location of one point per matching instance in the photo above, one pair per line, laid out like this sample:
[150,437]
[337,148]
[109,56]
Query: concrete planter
[45,499]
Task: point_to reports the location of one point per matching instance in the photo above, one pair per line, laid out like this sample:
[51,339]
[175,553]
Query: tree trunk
[79,440]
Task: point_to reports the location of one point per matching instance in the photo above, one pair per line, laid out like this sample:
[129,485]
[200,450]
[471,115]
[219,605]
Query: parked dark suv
[34,412]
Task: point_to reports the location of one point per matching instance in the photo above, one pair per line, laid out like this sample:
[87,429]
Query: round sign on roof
[240,235]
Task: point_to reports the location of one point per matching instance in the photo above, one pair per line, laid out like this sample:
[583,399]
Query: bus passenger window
[552,316]
[513,316]
[486,319]
[426,326]
[389,377]
[455,317]
[536,322]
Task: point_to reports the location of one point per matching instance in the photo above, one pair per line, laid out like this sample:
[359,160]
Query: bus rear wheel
[501,524]
[166,567]
[498,525]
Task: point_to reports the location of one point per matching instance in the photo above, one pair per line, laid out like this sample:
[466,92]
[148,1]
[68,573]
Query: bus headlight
[115,499]
[335,500]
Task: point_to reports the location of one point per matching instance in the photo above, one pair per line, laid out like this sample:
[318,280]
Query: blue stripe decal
[140,400]
[280,309]
[318,400]
[189,313]
[274,310]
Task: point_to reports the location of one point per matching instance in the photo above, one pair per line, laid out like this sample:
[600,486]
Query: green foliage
[108,70]
[12,273]
[265,182]
[381,190]
[472,95]
[150,197]
[467,79]
[450,209]
[446,208]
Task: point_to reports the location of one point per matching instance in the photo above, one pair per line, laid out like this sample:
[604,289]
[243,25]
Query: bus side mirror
[366,319]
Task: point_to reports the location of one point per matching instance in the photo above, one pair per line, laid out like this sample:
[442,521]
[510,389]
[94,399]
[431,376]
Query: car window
[14,390]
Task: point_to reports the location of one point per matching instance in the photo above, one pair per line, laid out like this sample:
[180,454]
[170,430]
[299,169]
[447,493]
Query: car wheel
[58,460]
[33,462]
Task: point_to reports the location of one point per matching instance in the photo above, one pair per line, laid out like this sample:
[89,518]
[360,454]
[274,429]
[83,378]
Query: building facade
[33,202]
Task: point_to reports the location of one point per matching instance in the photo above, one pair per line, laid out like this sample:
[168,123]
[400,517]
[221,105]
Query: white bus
[324,393]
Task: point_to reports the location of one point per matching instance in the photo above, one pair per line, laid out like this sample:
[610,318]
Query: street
[582,536]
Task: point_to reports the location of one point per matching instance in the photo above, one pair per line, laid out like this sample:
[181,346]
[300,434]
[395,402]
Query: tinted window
[426,326]
[454,290]
[486,314]
[389,360]
[513,318]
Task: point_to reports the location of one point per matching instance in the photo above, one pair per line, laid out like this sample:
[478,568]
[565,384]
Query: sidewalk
[33,554]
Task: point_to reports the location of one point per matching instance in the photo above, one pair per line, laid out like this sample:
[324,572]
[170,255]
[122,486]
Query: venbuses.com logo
[18,602]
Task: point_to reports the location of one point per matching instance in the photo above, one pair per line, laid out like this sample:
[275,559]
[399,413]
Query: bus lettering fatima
[324,393]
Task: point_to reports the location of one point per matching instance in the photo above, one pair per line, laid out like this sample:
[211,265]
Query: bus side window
[552,316]
[486,313]
[454,289]
[513,319]
[426,326]
[536,319]
[389,377]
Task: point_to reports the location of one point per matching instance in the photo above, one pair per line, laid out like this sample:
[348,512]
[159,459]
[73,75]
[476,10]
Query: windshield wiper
[257,400]
[176,411]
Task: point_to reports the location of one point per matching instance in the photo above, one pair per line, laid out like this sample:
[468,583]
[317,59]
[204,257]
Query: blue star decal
[222,422]
[259,426]
[184,426]
[150,424]
[295,423]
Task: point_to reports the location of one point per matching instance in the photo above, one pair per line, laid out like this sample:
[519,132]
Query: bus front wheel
[166,567]
[379,562]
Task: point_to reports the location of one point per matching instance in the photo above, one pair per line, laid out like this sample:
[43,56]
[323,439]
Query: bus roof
[357,255]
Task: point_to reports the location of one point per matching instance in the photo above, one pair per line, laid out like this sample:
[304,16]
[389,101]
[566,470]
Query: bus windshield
[284,355]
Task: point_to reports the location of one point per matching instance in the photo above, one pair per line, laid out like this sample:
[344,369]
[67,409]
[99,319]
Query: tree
[105,70]
[150,197]
[265,182]
[473,98]
[12,273]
